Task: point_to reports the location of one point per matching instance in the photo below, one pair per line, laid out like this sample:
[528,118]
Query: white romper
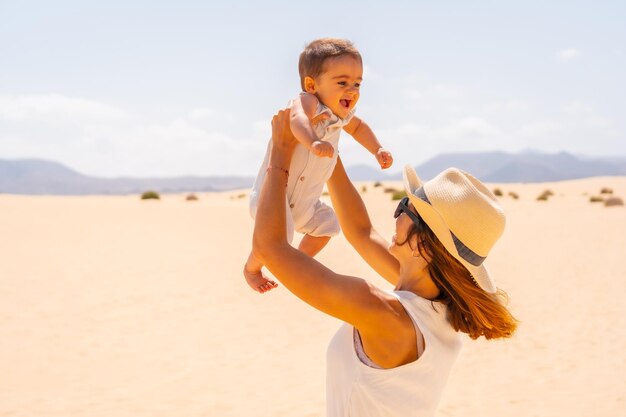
[354,389]
[307,175]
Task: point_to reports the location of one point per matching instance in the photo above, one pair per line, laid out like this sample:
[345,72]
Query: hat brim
[438,225]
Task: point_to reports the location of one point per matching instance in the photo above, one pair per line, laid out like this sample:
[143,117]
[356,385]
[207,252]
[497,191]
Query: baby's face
[338,86]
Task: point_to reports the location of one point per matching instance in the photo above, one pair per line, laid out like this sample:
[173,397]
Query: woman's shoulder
[415,299]
[430,316]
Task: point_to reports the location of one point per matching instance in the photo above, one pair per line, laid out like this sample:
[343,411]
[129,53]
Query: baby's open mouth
[345,103]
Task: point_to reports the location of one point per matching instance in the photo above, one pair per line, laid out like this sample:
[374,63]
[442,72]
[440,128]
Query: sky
[155,88]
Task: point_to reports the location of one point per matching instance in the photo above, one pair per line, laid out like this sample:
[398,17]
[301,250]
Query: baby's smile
[345,103]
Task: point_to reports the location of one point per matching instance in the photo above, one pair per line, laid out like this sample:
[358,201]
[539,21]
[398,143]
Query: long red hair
[470,309]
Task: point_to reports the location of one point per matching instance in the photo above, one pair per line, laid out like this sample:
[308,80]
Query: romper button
[291,205]
[301,178]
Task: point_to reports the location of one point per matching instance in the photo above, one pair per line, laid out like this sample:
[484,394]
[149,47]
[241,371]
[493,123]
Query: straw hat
[463,214]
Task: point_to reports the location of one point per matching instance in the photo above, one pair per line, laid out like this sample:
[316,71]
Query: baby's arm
[363,134]
[302,113]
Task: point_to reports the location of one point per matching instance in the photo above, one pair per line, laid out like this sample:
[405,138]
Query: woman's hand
[282,136]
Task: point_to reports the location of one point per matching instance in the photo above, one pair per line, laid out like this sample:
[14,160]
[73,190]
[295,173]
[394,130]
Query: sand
[112,306]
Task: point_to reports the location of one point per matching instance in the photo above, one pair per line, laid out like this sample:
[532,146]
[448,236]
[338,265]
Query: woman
[395,350]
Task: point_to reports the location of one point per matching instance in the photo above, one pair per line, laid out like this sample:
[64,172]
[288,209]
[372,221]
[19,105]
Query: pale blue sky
[150,88]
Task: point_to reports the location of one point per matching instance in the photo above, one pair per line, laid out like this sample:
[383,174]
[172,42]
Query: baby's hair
[311,63]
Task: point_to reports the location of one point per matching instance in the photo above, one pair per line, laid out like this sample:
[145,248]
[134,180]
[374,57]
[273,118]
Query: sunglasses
[403,206]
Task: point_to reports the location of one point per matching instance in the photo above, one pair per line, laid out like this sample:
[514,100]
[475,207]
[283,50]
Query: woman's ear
[309,85]
[413,244]
[426,253]
[419,248]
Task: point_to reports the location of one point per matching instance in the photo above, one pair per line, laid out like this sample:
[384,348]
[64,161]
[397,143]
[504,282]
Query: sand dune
[112,306]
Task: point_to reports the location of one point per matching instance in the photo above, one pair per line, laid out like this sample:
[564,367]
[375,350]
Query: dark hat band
[463,251]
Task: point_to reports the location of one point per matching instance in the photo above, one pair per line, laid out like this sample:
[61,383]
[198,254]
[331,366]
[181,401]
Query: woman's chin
[393,244]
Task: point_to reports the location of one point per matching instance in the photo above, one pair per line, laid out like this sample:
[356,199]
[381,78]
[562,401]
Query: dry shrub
[390,190]
[244,195]
[497,192]
[363,189]
[378,184]
[544,196]
[613,201]
[397,195]
[513,195]
[595,199]
[150,195]
[606,190]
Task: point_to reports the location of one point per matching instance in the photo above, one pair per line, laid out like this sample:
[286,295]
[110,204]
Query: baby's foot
[257,281]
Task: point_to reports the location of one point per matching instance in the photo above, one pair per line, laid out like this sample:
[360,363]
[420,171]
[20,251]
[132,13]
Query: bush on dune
[544,196]
[397,195]
[613,202]
[150,195]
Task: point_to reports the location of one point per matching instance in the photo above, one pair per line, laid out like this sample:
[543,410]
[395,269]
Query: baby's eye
[357,85]
[342,83]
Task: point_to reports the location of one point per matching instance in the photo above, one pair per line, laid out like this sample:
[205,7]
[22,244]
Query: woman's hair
[471,310]
[311,62]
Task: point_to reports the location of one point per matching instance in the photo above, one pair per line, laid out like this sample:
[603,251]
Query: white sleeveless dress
[354,389]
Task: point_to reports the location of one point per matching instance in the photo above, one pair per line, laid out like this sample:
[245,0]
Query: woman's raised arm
[357,227]
[350,299]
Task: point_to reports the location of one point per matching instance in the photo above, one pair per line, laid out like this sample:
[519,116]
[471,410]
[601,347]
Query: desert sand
[112,306]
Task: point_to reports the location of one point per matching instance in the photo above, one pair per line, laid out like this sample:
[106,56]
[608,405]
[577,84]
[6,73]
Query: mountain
[36,176]
[527,166]
[552,167]
[479,164]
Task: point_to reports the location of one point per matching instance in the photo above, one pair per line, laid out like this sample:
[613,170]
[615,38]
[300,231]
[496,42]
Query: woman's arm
[350,299]
[357,227]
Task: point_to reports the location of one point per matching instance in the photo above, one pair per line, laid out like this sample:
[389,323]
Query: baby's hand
[321,148]
[384,158]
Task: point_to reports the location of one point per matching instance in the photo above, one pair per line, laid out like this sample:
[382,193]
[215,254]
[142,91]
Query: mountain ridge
[39,176]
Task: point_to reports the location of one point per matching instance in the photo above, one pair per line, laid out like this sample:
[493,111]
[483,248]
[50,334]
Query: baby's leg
[255,279]
[318,229]
[252,269]
[312,245]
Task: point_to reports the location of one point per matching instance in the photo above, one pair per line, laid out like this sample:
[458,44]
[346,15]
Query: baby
[331,71]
